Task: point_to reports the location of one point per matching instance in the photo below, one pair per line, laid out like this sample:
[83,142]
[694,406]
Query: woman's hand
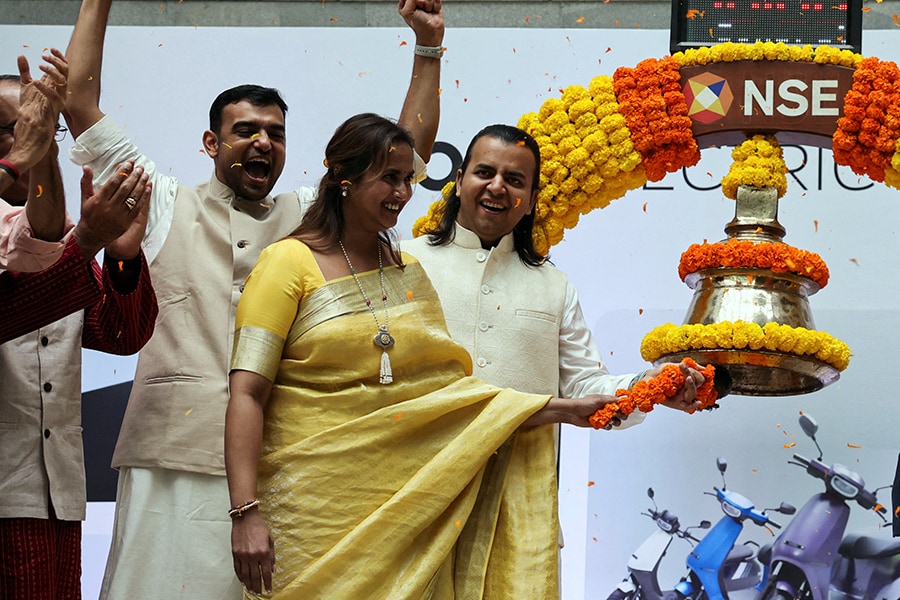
[253,550]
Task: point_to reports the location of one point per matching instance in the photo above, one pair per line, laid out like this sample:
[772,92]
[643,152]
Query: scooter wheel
[618,594]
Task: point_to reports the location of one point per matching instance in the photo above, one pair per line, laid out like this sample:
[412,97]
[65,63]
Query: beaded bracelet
[429,51]
[238,511]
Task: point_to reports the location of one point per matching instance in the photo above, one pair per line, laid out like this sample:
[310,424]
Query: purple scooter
[868,568]
[803,556]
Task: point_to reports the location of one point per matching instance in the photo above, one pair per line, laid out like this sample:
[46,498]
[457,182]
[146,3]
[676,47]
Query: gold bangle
[238,511]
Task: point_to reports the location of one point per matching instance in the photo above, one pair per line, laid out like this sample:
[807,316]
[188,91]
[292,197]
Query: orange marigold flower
[777,257]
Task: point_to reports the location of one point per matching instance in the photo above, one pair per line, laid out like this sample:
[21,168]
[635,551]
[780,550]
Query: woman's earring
[345,188]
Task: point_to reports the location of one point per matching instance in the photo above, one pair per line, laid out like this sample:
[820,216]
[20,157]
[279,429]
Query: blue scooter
[802,558]
[718,567]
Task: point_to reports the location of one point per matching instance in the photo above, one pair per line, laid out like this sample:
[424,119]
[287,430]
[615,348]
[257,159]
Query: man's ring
[130,202]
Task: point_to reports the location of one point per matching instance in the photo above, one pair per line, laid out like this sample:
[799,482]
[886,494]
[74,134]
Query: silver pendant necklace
[382,339]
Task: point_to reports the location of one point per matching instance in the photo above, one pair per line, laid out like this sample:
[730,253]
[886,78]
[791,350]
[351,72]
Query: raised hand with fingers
[40,102]
[114,217]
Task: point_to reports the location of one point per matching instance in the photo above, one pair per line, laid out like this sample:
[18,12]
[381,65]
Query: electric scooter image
[718,569]
[642,582]
[803,555]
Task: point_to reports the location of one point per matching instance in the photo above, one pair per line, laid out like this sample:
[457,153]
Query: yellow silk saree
[424,488]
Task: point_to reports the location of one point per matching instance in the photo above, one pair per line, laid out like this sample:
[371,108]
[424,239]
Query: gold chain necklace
[382,339]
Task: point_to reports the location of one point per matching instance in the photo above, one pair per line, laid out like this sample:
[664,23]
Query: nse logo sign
[799,101]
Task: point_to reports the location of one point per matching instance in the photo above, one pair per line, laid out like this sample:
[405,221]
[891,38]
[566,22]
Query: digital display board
[698,23]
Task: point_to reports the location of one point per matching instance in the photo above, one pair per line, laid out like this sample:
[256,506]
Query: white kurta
[522,325]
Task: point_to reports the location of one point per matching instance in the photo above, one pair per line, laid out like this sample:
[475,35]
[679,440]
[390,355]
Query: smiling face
[496,190]
[249,149]
[17,193]
[373,204]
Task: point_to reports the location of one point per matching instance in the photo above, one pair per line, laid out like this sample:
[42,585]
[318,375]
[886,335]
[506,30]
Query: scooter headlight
[844,487]
[732,511]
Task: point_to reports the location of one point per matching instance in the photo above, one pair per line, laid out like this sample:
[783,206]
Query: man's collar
[469,239]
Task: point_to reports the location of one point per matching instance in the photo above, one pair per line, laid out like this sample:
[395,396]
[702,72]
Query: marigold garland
[669,339]
[731,52]
[868,134]
[735,253]
[588,157]
[599,143]
[645,395]
[656,112]
[758,162]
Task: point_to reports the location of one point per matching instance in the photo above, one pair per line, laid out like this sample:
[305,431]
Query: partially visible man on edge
[172,532]
[42,481]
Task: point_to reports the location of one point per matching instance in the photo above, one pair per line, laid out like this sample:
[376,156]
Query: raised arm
[46,205]
[85,56]
[422,108]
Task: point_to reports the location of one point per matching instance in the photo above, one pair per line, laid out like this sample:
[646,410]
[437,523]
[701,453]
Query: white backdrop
[158,83]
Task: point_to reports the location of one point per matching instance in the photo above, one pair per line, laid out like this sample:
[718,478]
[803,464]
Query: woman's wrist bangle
[10,169]
[429,51]
[238,511]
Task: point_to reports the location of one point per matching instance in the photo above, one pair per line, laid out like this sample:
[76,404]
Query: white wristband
[429,51]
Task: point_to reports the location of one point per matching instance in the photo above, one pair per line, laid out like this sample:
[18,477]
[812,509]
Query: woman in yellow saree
[362,460]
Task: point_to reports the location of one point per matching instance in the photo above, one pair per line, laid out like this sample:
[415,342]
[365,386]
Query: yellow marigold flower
[556,121]
[596,141]
[531,122]
[565,131]
[592,183]
[554,230]
[580,107]
[758,162]
[602,84]
[549,107]
[549,153]
[559,174]
[577,156]
[567,145]
[566,187]
[573,94]
[586,125]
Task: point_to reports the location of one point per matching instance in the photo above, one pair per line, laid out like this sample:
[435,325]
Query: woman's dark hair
[361,143]
[522,240]
[256,95]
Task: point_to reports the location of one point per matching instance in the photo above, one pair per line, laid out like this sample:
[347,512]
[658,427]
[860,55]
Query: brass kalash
[760,296]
